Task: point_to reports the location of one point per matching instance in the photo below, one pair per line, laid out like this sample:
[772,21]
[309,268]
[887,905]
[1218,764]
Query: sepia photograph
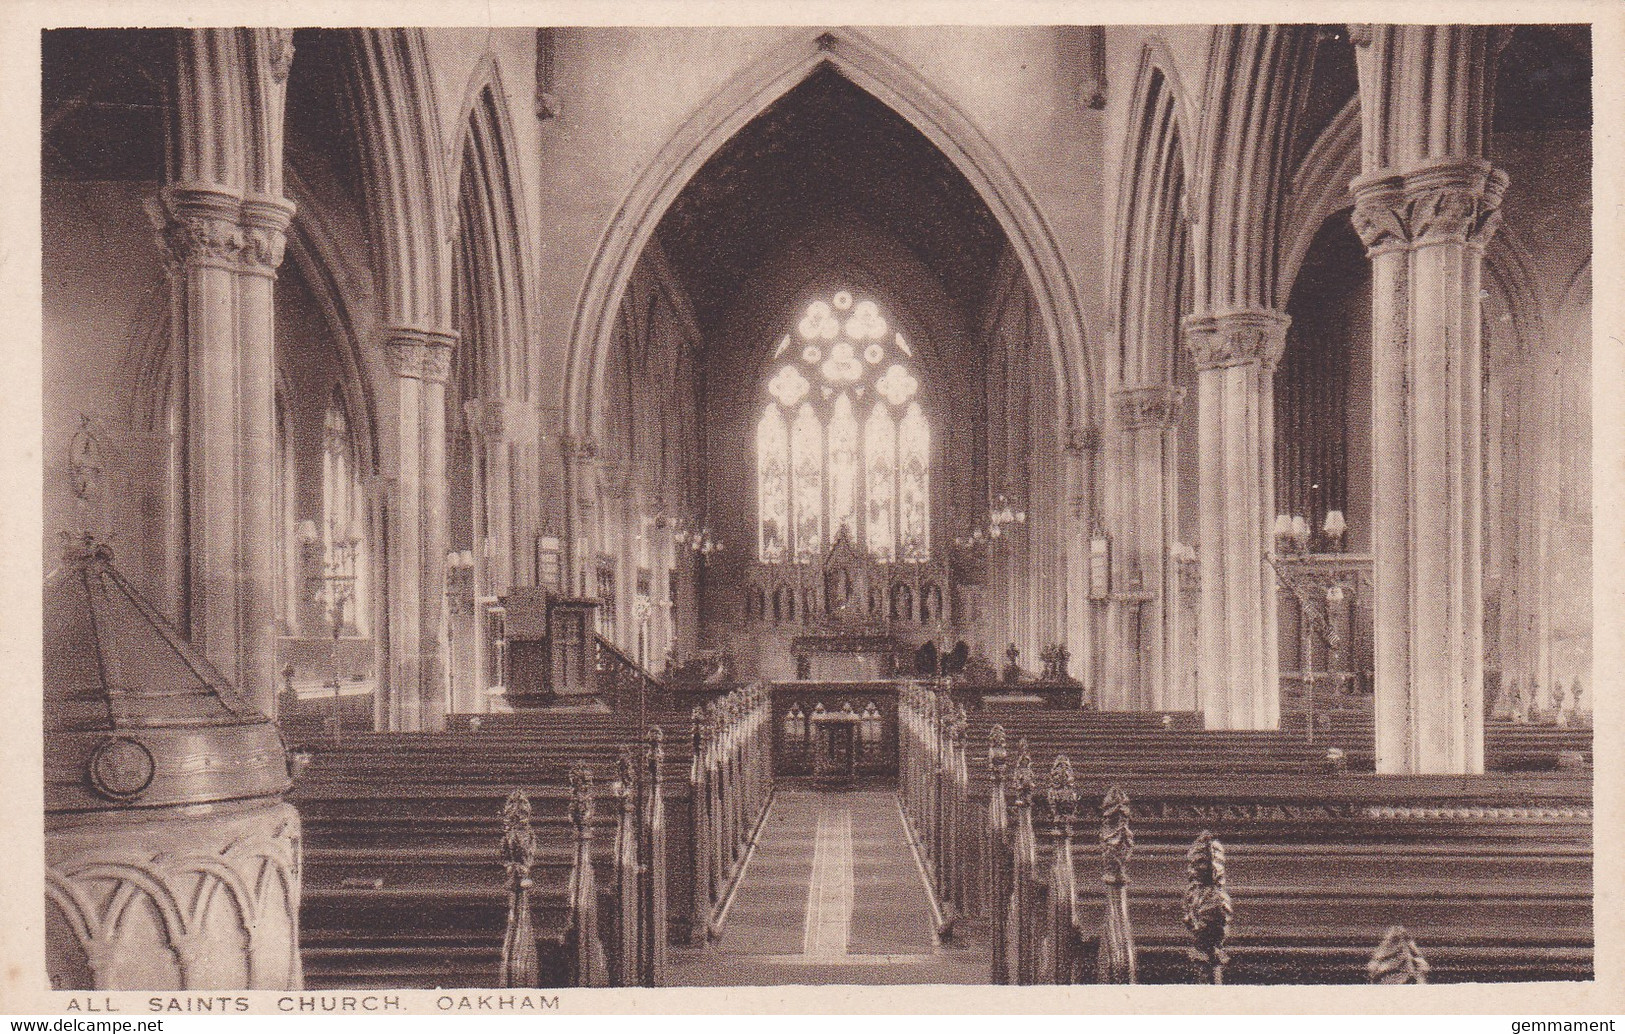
[618,506]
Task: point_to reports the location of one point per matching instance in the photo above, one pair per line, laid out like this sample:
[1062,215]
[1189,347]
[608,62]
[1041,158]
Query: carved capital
[1083,438]
[1236,338]
[1437,204]
[199,226]
[423,355]
[206,226]
[578,447]
[265,224]
[1150,405]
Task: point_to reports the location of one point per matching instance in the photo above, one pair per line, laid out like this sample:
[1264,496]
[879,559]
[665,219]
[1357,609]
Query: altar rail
[796,706]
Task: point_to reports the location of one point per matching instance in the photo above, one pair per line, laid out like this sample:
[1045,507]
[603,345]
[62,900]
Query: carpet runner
[831,895]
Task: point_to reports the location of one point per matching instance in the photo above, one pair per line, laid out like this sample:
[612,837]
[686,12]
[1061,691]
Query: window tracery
[843,446]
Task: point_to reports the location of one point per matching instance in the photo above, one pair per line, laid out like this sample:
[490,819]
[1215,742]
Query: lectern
[835,748]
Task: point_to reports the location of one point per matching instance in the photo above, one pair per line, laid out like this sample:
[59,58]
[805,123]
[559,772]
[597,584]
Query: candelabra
[1000,516]
[1292,533]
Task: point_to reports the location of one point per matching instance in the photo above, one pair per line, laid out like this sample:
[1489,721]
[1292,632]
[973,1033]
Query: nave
[514,495]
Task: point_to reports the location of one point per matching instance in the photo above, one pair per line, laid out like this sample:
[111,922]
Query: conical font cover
[135,717]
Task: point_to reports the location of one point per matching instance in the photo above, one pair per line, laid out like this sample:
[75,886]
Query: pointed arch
[1254,95]
[325,269]
[1149,245]
[397,124]
[488,211]
[1510,268]
[747,96]
[1320,189]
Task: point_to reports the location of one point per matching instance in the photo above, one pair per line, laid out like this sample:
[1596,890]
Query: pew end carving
[519,968]
[1397,960]
[1207,909]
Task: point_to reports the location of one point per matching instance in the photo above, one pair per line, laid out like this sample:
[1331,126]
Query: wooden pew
[1493,875]
[404,885]
[406,826]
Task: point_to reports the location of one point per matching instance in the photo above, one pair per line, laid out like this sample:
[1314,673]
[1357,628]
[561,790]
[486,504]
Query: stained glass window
[343,537]
[773,480]
[843,471]
[913,485]
[807,460]
[822,470]
[880,436]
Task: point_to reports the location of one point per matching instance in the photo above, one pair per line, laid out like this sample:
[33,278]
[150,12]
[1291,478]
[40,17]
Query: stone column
[1425,230]
[421,361]
[580,455]
[1235,355]
[509,426]
[1136,621]
[1078,501]
[224,251]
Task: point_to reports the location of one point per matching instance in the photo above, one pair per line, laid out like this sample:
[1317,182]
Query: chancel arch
[857,60]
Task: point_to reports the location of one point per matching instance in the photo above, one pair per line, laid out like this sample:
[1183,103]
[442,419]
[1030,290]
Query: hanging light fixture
[1001,515]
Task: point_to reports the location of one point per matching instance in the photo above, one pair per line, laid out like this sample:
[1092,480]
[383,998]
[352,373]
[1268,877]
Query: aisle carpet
[831,895]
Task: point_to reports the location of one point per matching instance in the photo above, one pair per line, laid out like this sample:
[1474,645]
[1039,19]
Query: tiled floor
[832,895]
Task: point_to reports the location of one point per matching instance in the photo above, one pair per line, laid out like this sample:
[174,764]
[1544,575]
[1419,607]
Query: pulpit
[835,752]
[570,646]
[550,647]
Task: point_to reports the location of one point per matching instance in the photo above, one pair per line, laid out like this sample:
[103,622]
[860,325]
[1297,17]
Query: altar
[845,657]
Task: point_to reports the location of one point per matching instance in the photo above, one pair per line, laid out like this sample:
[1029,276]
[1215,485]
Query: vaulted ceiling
[826,151]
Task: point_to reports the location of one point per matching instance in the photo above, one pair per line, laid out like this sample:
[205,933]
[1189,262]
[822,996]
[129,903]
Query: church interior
[538,507]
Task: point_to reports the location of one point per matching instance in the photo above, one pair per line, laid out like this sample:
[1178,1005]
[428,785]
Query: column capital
[420,354]
[578,447]
[199,225]
[265,222]
[1455,201]
[1083,438]
[1221,339]
[1147,405]
[206,224]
